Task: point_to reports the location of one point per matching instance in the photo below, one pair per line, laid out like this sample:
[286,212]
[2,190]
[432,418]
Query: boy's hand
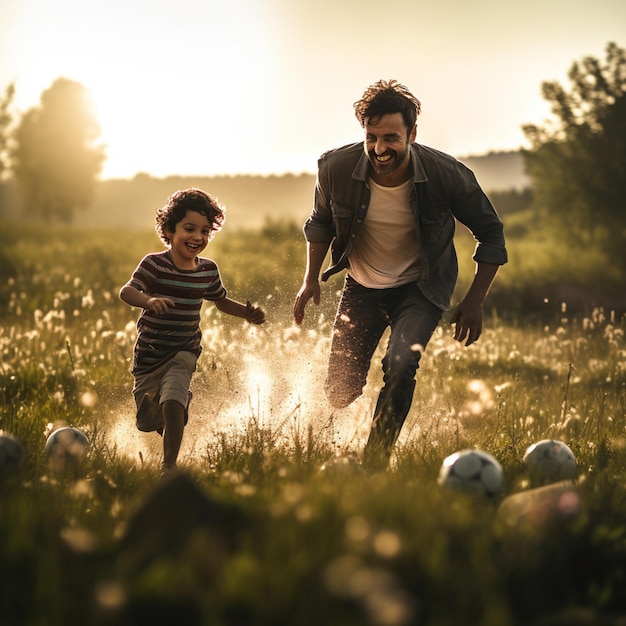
[159,306]
[254,313]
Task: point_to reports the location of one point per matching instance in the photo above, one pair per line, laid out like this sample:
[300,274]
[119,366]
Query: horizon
[491,153]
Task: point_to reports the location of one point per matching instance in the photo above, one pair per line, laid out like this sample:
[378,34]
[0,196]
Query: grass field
[254,531]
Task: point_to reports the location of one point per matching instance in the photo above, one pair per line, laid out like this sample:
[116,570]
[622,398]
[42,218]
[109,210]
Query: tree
[56,159]
[6,120]
[577,163]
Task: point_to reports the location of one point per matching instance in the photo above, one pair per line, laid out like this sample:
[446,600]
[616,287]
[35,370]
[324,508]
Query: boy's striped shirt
[160,337]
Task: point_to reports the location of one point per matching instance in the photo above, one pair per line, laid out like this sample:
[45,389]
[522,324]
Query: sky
[208,87]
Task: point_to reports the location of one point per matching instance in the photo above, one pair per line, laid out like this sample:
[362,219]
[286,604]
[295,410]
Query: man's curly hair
[184,200]
[385,97]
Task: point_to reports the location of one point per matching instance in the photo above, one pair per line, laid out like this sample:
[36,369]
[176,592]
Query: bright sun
[156,90]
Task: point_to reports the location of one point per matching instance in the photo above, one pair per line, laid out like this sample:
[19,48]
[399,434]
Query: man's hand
[309,289]
[468,316]
[468,321]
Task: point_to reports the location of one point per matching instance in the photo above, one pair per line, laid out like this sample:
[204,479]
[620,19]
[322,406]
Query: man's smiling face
[387,145]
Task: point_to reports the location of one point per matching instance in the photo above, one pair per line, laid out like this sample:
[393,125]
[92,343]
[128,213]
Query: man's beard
[384,169]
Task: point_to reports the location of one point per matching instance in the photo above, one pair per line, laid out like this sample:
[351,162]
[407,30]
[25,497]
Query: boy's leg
[189,397]
[174,425]
[174,400]
[146,394]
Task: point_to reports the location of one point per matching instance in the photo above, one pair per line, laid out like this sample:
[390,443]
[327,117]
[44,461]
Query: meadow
[260,527]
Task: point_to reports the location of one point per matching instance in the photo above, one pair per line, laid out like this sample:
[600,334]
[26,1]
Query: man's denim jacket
[443,189]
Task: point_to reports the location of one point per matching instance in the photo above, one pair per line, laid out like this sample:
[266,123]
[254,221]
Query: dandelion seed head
[293,493]
[292,333]
[502,387]
[78,539]
[89,399]
[357,529]
[110,595]
[476,385]
[88,301]
[387,544]
[304,512]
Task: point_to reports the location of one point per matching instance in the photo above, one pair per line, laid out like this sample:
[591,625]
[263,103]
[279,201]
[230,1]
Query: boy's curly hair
[384,97]
[184,200]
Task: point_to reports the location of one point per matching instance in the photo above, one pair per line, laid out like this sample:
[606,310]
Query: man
[388,207]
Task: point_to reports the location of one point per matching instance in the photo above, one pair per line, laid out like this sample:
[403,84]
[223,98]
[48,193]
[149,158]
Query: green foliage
[546,272]
[577,164]
[512,200]
[55,158]
[299,545]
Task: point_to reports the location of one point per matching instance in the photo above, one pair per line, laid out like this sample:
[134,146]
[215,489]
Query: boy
[170,286]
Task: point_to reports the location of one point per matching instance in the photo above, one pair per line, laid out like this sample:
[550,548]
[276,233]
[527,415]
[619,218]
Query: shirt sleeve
[143,276]
[215,289]
[473,209]
[319,227]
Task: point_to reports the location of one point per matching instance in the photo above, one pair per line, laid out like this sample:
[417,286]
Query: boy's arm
[252,313]
[133,297]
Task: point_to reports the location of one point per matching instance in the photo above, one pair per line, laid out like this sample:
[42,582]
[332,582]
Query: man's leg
[357,330]
[413,320]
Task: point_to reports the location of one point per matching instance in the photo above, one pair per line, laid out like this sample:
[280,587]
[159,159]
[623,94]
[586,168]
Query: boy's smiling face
[189,239]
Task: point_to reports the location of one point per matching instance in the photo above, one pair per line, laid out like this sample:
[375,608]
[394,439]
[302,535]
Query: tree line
[52,150]
[576,162]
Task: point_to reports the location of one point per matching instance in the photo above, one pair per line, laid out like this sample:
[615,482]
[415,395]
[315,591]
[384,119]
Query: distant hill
[249,200]
[498,171]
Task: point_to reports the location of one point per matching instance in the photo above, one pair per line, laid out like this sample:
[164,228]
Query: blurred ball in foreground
[11,452]
[550,461]
[343,465]
[66,447]
[472,471]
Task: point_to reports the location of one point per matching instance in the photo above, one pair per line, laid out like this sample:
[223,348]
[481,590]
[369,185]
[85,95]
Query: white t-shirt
[386,251]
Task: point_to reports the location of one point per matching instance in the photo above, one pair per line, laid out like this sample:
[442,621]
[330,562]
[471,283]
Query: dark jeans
[362,316]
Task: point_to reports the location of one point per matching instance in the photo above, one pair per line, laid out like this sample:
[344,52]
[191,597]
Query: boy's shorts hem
[169,382]
[149,416]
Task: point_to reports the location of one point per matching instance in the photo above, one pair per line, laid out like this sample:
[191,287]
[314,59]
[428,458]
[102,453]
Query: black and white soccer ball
[66,447]
[550,461]
[474,472]
[11,453]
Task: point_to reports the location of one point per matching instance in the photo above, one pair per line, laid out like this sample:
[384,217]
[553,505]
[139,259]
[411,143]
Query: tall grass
[283,540]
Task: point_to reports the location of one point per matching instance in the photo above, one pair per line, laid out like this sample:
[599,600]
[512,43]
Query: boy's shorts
[169,381]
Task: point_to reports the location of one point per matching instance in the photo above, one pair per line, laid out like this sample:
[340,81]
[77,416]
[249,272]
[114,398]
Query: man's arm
[468,315]
[316,253]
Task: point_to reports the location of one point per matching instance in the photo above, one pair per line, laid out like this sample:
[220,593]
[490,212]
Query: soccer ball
[550,461]
[344,465]
[472,471]
[66,448]
[11,452]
